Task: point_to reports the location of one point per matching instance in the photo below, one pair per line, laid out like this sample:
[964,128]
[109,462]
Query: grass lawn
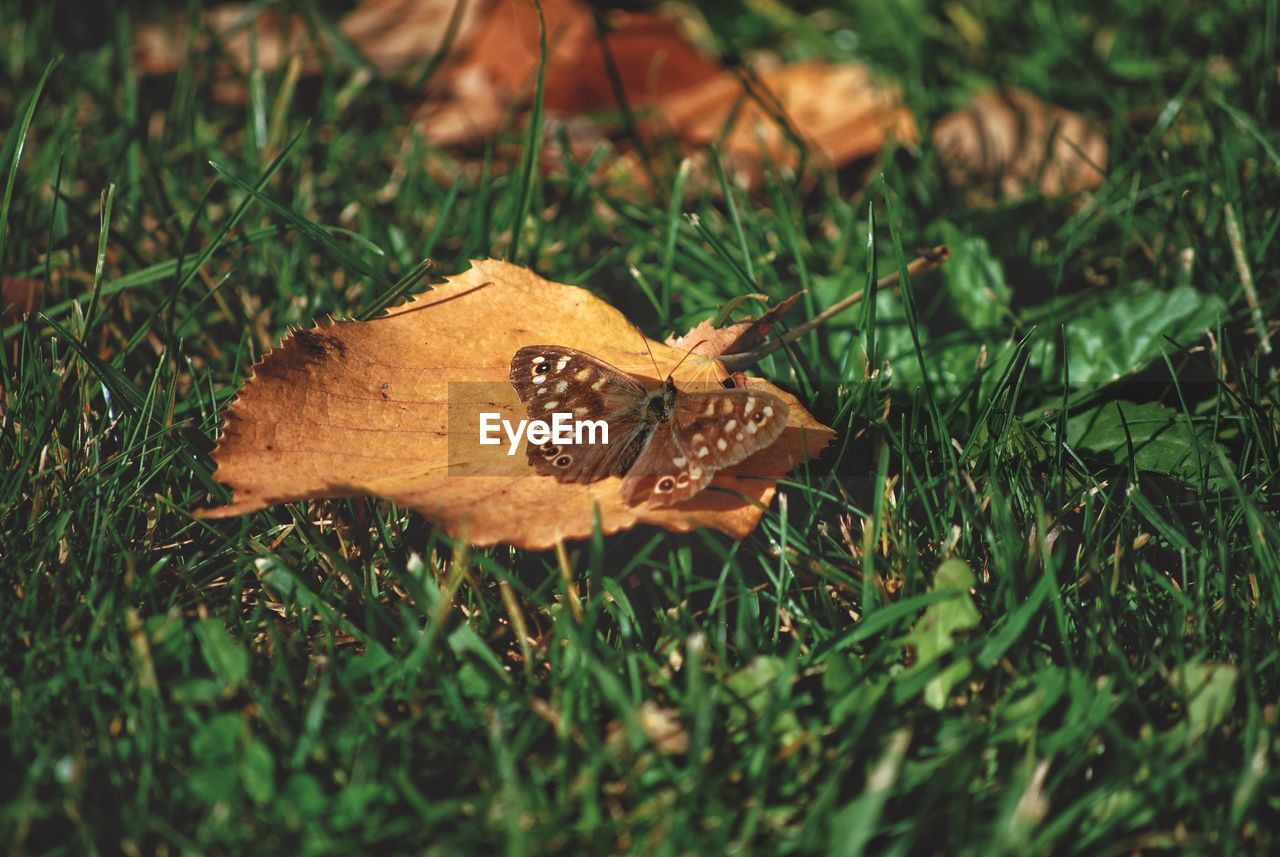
[1026,603]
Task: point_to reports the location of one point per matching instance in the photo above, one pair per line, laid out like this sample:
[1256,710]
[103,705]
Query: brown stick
[927,261]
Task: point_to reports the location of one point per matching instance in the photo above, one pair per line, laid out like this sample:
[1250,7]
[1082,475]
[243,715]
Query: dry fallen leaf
[391,407]
[1011,143]
[733,338]
[496,72]
[19,296]
[651,59]
[391,34]
[397,34]
[160,47]
[839,110]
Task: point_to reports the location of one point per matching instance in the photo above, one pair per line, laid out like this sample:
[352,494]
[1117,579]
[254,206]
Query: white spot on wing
[562,386]
[730,425]
[721,445]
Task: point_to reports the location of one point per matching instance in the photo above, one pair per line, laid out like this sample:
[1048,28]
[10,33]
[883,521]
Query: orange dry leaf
[651,59]
[734,338]
[840,111]
[391,34]
[497,70]
[397,34]
[391,407]
[247,37]
[1011,143]
[19,296]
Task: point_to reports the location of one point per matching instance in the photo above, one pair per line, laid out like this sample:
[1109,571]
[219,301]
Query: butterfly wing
[552,379]
[707,432]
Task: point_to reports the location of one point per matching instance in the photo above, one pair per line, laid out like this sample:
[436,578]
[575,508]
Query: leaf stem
[927,261]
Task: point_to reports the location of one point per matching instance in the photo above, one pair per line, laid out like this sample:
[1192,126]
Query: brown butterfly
[674,439]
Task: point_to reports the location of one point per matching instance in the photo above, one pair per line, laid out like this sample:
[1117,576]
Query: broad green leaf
[214,782]
[1209,690]
[258,772]
[371,664]
[952,363]
[933,637]
[214,748]
[481,674]
[303,799]
[851,690]
[755,686]
[1032,698]
[1127,332]
[225,657]
[975,280]
[1163,442]
[219,738]
[751,684]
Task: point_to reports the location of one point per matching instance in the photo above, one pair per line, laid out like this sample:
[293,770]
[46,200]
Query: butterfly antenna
[686,356]
[645,340]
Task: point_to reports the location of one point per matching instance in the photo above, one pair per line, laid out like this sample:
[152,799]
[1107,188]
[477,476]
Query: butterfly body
[666,443]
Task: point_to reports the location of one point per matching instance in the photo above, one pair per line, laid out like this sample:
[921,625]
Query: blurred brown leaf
[390,408]
[392,34]
[19,296]
[840,111]
[497,70]
[398,34]
[650,57]
[246,37]
[1011,144]
[596,61]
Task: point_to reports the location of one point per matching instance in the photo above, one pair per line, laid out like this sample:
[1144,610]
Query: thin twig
[1236,239]
[928,261]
